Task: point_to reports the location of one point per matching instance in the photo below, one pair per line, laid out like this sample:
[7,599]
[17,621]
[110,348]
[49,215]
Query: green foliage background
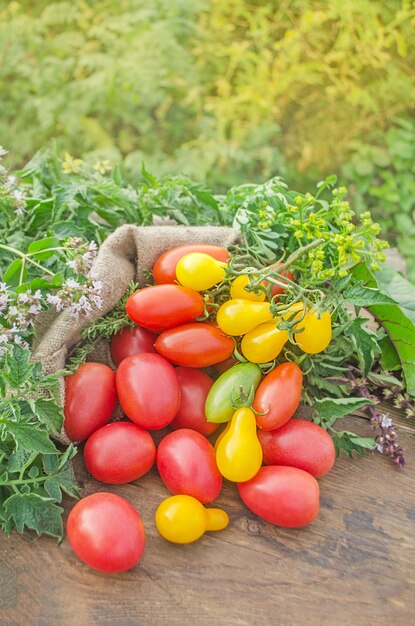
[222,90]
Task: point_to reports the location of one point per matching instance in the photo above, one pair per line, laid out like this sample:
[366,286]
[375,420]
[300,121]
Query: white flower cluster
[77,297]
[86,254]
[19,312]
[10,187]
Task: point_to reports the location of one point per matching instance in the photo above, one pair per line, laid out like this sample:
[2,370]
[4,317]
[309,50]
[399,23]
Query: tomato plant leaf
[17,368]
[327,411]
[35,512]
[350,442]
[29,437]
[365,342]
[359,295]
[48,413]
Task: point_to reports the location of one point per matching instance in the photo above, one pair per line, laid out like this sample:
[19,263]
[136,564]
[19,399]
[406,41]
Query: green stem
[22,271]
[28,481]
[26,257]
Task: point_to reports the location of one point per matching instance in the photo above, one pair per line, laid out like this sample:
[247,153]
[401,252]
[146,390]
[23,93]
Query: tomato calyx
[240,399]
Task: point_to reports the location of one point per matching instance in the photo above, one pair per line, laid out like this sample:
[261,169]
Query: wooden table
[354,566]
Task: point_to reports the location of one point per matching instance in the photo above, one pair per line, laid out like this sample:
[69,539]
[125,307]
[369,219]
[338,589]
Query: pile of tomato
[176,368]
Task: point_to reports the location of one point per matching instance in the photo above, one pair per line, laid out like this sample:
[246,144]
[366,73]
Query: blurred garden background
[225,91]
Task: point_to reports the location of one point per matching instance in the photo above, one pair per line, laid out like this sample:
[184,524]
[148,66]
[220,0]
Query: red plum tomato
[278,396]
[195,345]
[195,386]
[119,453]
[90,398]
[106,532]
[186,462]
[131,341]
[164,269]
[301,444]
[148,390]
[164,306]
[285,496]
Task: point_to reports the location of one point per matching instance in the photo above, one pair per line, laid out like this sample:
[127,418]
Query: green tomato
[219,407]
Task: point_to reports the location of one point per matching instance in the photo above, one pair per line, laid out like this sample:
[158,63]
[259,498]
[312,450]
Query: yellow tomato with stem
[264,343]
[183,519]
[238,317]
[238,290]
[317,332]
[239,453]
[199,271]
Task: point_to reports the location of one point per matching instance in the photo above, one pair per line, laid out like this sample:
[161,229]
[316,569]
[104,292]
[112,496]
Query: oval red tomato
[194,345]
[299,444]
[285,496]
[186,462]
[119,453]
[278,396]
[164,306]
[131,341]
[106,532]
[148,390]
[195,386]
[90,398]
[164,269]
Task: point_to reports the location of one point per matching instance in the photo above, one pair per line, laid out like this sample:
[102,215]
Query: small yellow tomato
[317,333]
[183,519]
[199,271]
[237,317]
[264,343]
[238,290]
[239,453]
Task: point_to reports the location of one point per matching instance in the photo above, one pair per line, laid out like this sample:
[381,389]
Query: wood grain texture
[353,566]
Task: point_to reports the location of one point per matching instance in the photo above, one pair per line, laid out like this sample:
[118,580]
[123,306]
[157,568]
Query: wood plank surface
[354,566]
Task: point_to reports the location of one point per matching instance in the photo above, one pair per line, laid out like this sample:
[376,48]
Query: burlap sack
[123,257]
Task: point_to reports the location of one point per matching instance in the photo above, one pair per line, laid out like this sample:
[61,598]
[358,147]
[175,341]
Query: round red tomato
[164,269]
[186,462]
[119,453]
[164,306]
[90,398]
[299,444]
[106,532]
[277,290]
[195,386]
[131,341]
[285,496]
[194,345]
[278,396]
[148,390]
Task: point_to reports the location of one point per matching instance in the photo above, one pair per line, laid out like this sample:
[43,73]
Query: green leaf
[350,442]
[18,459]
[12,274]
[36,248]
[17,367]
[149,178]
[397,319]
[50,414]
[390,358]
[330,409]
[29,437]
[35,512]
[65,481]
[365,342]
[358,295]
